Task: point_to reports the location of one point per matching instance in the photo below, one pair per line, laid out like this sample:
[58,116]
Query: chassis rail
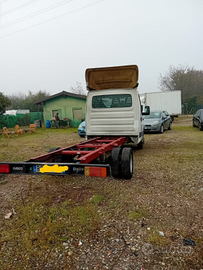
[86,158]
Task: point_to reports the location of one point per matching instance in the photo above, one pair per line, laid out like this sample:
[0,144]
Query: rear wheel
[115,162]
[193,123]
[127,163]
[170,126]
[200,127]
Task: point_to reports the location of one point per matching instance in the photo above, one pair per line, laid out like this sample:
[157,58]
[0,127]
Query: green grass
[138,214]
[39,225]
[97,198]
[35,144]
[183,128]
[157,239]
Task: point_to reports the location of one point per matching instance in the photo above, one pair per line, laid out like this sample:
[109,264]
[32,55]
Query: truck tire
[127,163]
[115,162]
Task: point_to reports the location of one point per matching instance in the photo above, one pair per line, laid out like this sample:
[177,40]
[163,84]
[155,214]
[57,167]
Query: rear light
[4,168]
[96,171]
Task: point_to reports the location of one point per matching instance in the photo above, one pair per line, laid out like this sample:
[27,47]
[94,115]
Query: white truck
[167,101]
[113,105]
[113,110]
[113,118]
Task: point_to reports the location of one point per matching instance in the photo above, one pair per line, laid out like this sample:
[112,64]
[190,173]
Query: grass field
[103,223]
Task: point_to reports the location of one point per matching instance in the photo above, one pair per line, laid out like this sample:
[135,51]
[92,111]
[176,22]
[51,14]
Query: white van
[113,105]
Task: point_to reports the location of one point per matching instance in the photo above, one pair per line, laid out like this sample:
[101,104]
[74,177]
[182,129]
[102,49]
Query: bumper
[151,129]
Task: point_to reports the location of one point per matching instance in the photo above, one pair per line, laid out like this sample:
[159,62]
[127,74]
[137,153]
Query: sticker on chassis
[50,169]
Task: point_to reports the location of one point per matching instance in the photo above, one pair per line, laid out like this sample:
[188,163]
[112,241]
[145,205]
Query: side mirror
[146,111]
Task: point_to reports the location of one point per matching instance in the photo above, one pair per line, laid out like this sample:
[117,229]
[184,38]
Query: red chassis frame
[96,147]
[78,159]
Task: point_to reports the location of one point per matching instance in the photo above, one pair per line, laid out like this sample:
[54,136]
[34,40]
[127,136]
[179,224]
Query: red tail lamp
[4,168]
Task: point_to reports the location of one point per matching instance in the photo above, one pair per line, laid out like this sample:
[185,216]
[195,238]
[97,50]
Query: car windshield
[112,101]
[201,113]
[153,115]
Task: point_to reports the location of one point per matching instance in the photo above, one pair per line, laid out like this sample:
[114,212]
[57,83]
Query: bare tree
[184,78]
[78,89]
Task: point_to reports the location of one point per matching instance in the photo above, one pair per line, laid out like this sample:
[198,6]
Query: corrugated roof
[63,93]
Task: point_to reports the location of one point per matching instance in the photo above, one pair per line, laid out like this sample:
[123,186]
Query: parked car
[157,121]
[197,120]
[81,129]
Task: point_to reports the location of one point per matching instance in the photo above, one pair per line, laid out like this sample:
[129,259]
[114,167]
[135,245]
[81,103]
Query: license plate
[50,169]
[36,168]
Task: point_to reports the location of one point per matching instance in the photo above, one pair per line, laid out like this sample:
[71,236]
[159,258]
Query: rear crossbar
[37,168]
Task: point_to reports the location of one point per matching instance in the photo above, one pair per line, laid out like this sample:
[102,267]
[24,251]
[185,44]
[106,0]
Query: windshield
[112,101]
[153,115]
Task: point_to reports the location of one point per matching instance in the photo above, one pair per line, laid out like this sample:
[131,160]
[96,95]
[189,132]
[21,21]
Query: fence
[186,109]
[10,121]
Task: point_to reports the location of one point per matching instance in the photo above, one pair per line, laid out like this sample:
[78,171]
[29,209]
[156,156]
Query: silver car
[157,121]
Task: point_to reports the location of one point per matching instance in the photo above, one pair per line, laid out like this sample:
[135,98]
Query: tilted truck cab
[113,105]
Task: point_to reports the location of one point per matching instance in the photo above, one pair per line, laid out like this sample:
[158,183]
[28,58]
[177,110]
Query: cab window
[112,101]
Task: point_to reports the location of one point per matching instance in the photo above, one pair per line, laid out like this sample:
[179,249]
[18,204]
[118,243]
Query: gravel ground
[165,193]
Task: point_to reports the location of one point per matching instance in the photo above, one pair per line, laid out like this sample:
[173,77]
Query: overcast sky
[48,44]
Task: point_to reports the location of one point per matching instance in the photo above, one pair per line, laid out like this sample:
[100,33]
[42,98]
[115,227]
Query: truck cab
[113,105]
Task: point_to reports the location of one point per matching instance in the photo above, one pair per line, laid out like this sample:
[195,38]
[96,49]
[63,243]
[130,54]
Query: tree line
[187,79]
[21,101]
